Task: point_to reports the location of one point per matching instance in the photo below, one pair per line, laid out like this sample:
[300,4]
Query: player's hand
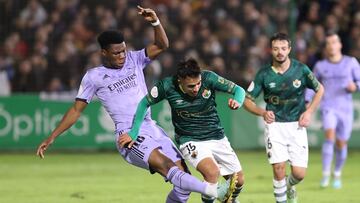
[305,118]
[43,147]
[351,87]
[125,141]
[148,14]
[233,104]
[269,117]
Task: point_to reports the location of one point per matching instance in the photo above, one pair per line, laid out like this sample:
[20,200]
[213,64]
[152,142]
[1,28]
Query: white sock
[211,189]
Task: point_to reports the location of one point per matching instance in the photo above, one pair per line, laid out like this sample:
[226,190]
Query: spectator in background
[201,28]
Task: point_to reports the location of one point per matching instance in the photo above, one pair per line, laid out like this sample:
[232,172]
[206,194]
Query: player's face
[190,86]
[280,50]
[115,55]
[333,45]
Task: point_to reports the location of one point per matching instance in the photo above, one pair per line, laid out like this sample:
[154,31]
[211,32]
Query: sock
[291,181]
[341,155]
[327,156]
[207,199]
[280,190]
[178,195]
[236,193]
[188,182]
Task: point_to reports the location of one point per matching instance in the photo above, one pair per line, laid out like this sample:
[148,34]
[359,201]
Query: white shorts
[286,141]
[219,150]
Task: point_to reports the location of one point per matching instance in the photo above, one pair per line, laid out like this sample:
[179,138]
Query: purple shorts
[340,121]
[150,137]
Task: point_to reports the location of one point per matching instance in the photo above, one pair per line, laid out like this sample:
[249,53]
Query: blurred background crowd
[47,45]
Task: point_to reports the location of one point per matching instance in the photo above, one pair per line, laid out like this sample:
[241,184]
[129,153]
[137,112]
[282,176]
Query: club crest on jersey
[296,83]
[206,93]
[154,92]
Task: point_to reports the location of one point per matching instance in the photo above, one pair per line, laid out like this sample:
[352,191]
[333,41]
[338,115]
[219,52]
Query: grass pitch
[106,177]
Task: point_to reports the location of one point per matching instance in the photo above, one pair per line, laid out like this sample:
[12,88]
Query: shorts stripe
[137,152]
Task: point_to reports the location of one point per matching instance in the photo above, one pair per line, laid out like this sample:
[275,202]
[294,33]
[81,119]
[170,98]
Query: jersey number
[190,148]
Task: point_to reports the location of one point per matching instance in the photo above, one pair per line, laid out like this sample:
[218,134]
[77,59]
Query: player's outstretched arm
[66,122]
[128,139]
[161,41]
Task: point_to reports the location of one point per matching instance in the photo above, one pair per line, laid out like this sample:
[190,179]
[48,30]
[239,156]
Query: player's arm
[224,85]
[128,139]
[161,41]
[238,99]
[314,84]
[251,107]
[157,93]
[66,122]
[354,85]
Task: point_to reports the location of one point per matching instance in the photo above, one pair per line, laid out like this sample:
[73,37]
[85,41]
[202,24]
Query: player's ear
[103,52]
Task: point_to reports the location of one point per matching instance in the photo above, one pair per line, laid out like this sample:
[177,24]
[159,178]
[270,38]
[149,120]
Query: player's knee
[212,175]
[340,144]
[241,179]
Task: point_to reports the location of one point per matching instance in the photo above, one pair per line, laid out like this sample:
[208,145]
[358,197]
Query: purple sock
[177,195]
[327,155]
[341,155]
[185,181]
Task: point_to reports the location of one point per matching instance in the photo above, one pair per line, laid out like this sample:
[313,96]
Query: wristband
[156,23]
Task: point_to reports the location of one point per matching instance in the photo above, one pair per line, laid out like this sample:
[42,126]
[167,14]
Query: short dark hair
[188,68]
[331,33]
[280,36]
[109,37]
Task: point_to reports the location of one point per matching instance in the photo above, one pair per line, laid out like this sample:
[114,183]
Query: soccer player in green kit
[284,82]
[201,139]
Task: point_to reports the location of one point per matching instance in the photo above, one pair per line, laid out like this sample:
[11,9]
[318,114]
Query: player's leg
[329,122]
[229,164]
[341,150]
[178,194]
[146,153]
[199,155]
[298,158]
[327,156]
[276,149]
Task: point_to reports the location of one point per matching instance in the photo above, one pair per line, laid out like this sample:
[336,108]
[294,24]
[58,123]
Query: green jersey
[194,118]
[284,93]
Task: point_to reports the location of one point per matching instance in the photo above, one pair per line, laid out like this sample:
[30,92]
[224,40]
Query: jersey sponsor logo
[272,85]
[296,83]
[123,84]
[206,93]
[154,92]
[251,86]
[179,101]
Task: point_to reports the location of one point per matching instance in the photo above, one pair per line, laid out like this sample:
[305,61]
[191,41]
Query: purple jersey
[119,90]
[336,104]
[336,77]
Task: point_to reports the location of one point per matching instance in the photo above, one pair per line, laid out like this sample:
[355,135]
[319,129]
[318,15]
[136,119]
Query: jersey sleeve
[255,87]
[219,83]
[310,79]
[157,93]
[140,58]
[355,69]
[87,89]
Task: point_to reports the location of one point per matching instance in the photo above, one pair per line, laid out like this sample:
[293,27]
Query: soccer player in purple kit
[120,85]
[340,75]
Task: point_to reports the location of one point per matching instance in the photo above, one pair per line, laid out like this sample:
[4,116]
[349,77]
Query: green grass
[105,177]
